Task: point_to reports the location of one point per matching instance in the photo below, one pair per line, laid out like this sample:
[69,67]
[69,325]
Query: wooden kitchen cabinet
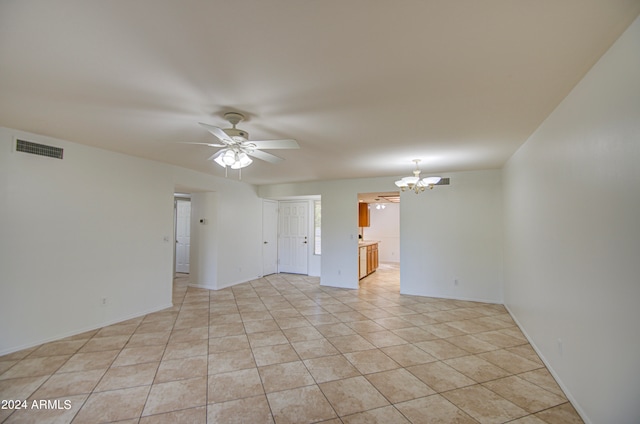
[363,215]
[368,258]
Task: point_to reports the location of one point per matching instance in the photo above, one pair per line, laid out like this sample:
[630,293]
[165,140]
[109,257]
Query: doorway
[382,225]
[293,239]
[182,234]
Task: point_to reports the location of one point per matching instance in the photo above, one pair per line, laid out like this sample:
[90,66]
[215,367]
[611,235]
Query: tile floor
[283,349]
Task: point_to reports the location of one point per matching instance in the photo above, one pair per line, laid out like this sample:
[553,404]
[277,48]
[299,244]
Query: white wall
[454,233]
[385,228]
[572,237]
[99,224]
[463,219]
[94,225]
[227,249]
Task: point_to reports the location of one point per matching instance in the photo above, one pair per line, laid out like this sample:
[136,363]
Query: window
[317,242]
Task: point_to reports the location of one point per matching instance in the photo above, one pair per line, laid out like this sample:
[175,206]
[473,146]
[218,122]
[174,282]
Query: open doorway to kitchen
[379,240]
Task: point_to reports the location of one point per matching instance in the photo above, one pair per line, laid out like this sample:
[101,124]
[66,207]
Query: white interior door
[183,235]
[293,239]
[269,237]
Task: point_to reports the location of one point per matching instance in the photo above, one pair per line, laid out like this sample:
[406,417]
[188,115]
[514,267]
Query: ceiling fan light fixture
[242,160]
[229,157]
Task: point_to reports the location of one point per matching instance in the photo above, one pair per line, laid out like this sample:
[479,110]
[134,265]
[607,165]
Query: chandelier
[416,184]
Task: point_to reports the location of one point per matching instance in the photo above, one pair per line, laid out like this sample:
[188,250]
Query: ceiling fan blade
[275,144]
[268,157]
[204,144]
[218,132]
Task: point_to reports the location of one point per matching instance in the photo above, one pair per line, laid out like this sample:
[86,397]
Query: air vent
[38,149]
[444,181]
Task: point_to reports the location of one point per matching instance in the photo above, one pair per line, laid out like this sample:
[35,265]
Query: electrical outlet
[104,301]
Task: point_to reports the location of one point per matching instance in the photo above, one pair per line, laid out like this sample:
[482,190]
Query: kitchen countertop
[362,243]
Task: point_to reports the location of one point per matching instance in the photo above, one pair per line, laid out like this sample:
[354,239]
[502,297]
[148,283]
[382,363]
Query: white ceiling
[365,86]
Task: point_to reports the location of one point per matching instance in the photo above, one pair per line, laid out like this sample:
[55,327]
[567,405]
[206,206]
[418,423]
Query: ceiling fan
[236,146]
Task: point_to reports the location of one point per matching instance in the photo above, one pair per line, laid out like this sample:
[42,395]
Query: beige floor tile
[510,361]
[408,355]
[285,376]
[529,419]
[335,330]
[414,334]
[149,339]
[228,343]
[181,350]
[268,355]
[527,352]
[441,349]
[314,348]
[196,415]
[393,323]
[234,385]
[180,369]
[352,395]
[34,367]
[300,334]
[67,347]
[526,395]
[101,407]
[267,338]
[89,361]
[365,326]
[260,326]
[370,361]
[399,385]
[383,338]
[139,355]
[543,378]
[440,377]
[477,368]
[224,318]
[69,384]
[301,405]
[189,334]
[254,410]
[469,326]
[499,339]
[561,414]
[350,343]
[433,409]
[350,316]
[20,388]
[176,395]
[443,330]
[384,415]
[129,376]
[328,368]
[227,329]
[484,405]
[472,343]
[231,361]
